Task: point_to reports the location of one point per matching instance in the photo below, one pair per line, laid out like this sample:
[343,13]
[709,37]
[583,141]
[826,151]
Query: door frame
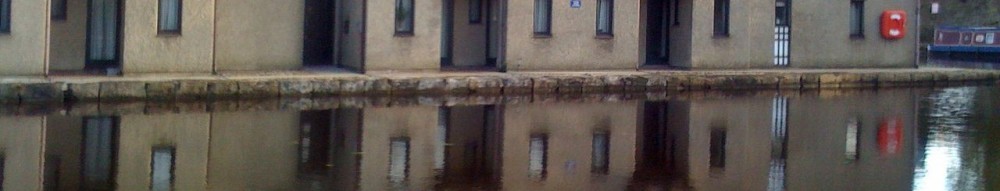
[448,40]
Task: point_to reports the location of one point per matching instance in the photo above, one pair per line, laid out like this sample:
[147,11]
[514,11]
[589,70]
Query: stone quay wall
[317,84]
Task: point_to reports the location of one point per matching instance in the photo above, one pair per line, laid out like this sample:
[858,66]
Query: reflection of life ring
[890,135]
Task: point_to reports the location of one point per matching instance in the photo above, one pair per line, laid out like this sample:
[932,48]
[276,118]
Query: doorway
[471,37]
[658,32]
[103,34]
[318,38]
[782,32]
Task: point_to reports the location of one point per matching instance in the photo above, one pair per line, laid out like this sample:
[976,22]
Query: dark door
[318,42]
[658,32]
[103,34]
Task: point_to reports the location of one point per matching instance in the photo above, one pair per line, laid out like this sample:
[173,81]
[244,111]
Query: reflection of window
[170,16]
[851,145]
[543,17]
[475,11]
[399,156]
[58,10]
[5,16]
[52,171]
[315,141]
[599,153]
[718,148]
[537,155]
[3,169]
[99,139]
[404,17]
[605,17]
[442,138]
[857,18]
[163,169]
[721,27]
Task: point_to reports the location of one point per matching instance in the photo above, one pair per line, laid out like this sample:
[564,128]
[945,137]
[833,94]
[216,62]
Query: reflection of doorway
[471,35]
[658,32]
[100,146]
[103,34]
[318,39]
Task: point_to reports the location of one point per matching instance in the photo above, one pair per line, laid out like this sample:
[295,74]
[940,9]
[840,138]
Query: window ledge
[604,36]
[857,37]
[168,34]
[720,36]
[403,34]
[541,35]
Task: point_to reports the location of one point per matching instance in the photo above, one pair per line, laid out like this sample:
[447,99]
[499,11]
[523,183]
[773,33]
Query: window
[59,10]
[605,17]
[170,16]
[721,18]
[857,18]
[404,17]
[399,161]
[5,16]
[543,17]
[599,152]
[475,11]
[537,155]
[162,169]
[717,149]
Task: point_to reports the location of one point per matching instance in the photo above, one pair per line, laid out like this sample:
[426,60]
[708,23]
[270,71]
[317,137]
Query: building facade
[176,36]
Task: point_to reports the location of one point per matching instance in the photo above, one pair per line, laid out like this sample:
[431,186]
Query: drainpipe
[917,47]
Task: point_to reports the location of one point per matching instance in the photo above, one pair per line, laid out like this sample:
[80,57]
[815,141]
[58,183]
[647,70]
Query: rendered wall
[816,143]
[747,126]
[22,51]
[68,41]
[258,35]
[146,51]
[188,134]
[751,36]
[21,145]
[570,128]
[254,150]
[821,36]
[574,44]
[384,51]
[381,125]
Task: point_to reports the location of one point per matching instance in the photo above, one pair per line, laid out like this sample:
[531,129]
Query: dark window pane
[58,10]
[475,11]
[404,16]
[718,148]
[721,27]
[857,18]
[170,16]
[543,14]
[5,16]
[605,16]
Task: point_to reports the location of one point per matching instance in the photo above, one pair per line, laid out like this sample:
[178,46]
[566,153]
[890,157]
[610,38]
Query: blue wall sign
[576,4]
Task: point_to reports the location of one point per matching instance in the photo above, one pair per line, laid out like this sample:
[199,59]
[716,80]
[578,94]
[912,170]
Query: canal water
[865,139]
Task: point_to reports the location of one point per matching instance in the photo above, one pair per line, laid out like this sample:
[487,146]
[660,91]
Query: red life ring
[890,135]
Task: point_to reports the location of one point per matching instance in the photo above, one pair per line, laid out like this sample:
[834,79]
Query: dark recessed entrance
[471,35]
[658,32]
[103,34]
[318,39]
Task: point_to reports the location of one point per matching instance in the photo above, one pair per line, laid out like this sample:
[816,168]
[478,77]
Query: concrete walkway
[303,83]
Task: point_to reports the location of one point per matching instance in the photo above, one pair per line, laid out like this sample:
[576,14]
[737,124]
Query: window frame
[860,32]
[403,32]
[721,18]
[5,14]
[172,151]
[159,16]
[548,17]
[610,32]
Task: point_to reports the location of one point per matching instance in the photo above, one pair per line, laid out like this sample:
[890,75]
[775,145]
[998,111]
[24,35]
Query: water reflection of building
[758,142]
[563,146]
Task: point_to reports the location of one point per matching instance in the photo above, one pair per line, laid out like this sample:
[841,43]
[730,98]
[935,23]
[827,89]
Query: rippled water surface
[885,139]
